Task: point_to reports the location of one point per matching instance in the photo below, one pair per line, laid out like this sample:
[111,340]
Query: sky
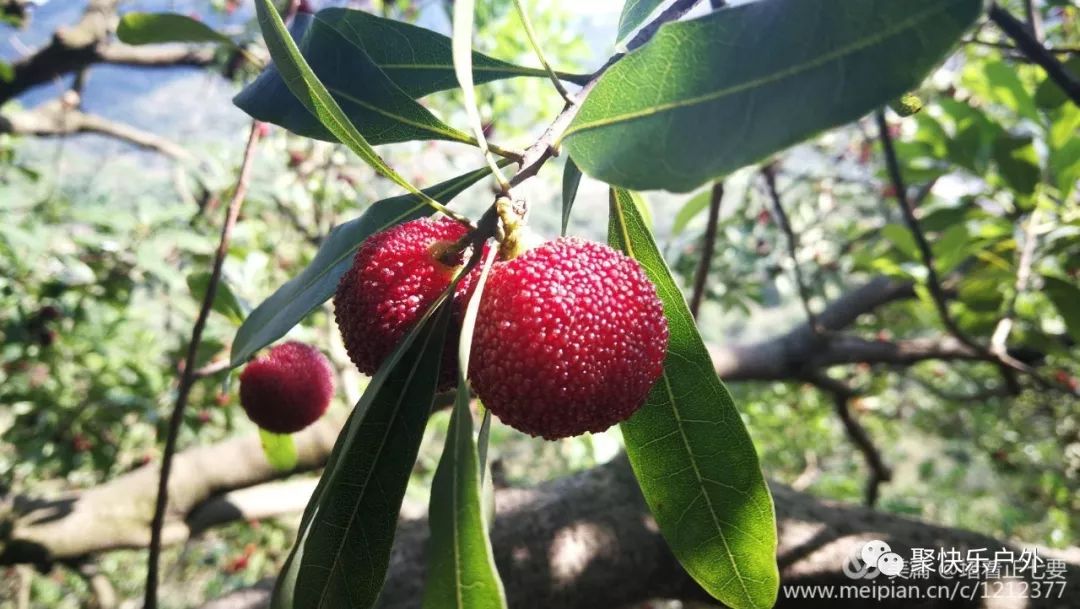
[180,102]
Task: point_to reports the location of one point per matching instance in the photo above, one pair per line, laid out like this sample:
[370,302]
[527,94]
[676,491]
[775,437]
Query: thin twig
[531,35]
[925,252]
[842,396]
[708,247]
[1034,20]
[187,378]
[547,145]
[999,339]
[769,173]
[463,16]
[671,13]
[1005,46]
[1005,362]
[1034,50]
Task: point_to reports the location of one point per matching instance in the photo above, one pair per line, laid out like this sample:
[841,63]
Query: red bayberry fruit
[570,337]
[396,276]
[287,389]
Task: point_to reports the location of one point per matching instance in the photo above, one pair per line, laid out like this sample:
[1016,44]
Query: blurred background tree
[115,161]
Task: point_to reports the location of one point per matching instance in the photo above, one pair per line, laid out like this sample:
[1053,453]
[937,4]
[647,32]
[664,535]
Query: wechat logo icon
[873,558]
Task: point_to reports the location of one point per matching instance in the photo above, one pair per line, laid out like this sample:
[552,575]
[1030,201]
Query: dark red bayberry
[395,277]
[287,389]
[570,338]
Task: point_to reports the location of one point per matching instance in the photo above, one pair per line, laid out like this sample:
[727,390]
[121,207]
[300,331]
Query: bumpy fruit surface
[570,337]
[395,277]
[287,389]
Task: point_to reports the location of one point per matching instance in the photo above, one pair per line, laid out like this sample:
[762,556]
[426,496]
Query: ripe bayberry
[287,389]
[570,338]
[396,276]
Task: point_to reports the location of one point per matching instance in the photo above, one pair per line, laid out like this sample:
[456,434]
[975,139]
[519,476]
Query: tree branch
[57,119]
[933,282]
[999,339]
[187,379]
[842,396]
[769,173]
[85,43]
[1030,46]
[708,248]
[547,145]
[584,541]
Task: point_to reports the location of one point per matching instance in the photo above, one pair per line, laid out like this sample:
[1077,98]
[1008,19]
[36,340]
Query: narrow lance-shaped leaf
[634,14]
[746,81]
[690,210]
[293,301]
[343,547]
[464,13]
[415,59]
[225,300]
[311,92]
[158,28]
[461,571]
[378,108]
[693,458]
[571,180]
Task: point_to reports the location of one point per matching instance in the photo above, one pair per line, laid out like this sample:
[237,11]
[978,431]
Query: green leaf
[225,300]
[1065,296]
[343,546]
[634,14]
[972,143]
[7,72]
[690,210]
[746,81]
[415,59]
[1049,95]
[464,12]
[159,28]
[391,118]
[293,301]
[692,456]
[571,179]
[1018,162]
[999,82]
[280,450]
[461,571]
[902,240]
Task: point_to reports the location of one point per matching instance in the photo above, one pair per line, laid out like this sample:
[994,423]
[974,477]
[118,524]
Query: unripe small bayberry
[287,389]
[396,276]
[569,339]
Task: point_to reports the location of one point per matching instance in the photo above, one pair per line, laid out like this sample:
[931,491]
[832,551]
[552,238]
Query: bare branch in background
[842,396]
[769,173]
[87,42]
[1000,337]
[187,378]
[933,281]
[708,248]
[578,542]
[1034,19]
[57,119]
[1030,46]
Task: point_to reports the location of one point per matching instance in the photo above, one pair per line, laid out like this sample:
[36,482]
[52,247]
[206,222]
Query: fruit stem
[514,233]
